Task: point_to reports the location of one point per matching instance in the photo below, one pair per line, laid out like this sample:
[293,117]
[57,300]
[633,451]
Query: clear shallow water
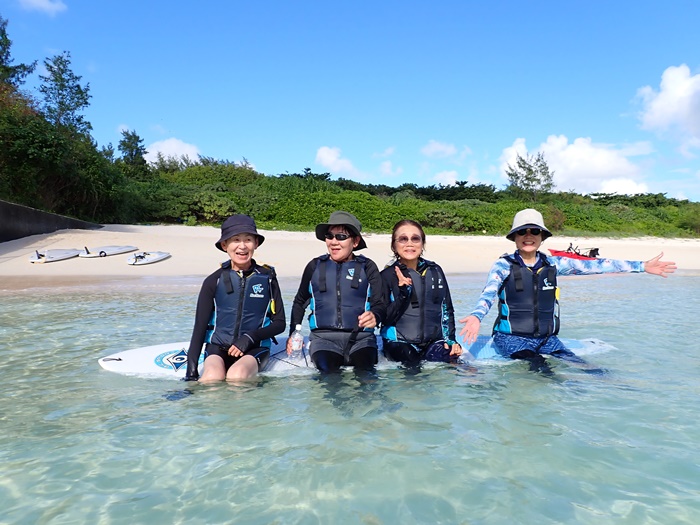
[502,445]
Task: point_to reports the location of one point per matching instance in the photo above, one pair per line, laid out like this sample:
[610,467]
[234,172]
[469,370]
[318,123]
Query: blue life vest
[242,304]
[528,300]
[340,293]
[422,321]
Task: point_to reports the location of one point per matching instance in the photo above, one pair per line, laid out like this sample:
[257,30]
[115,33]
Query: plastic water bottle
[297,341]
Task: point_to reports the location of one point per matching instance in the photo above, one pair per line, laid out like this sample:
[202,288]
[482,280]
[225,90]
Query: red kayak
[574,253]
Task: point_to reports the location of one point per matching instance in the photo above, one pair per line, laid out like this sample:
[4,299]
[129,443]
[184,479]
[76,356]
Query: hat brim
[322,230]
[261,239]
[546,234]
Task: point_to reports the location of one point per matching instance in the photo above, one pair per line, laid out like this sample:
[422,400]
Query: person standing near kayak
[525,284]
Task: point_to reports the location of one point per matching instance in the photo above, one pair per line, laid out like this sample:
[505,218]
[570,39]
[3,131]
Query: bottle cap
[298,327]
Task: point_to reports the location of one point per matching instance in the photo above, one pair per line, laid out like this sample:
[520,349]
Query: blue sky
[392,91]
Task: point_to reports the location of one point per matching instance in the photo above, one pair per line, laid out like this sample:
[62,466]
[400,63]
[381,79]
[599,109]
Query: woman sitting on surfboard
[420,320]
[344,292]
[525,283]
[239,309]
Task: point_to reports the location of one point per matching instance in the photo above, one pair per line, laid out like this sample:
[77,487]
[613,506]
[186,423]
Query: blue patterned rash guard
[564,265]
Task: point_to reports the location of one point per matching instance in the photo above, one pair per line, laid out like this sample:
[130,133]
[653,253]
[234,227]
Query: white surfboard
[483,348]
[45,256]
[141,258]
[170,360]
[105,251]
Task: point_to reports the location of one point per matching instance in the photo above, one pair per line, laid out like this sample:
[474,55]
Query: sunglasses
[415,239]
[533,231]
[337,236]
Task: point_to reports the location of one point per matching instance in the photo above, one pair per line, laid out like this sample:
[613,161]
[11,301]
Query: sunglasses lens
[533,231]
[337,236]
[415,239]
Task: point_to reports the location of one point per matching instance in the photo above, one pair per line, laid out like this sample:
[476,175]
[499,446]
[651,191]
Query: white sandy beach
[194,254]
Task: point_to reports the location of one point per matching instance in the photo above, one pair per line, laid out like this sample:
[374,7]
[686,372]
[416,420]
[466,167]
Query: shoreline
[194,255]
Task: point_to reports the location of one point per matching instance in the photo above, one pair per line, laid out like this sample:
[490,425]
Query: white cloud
[510,154]
[435,149]
[331,159]
[384,154]
[689,145]
[466,151]
[623,187]
[446,178]
[586,167]
[161,130]
[50,7]
[386,169]
[171,148]
[636,149]
[675,108]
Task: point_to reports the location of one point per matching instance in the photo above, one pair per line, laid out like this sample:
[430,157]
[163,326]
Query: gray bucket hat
[342,218]
[528,218]
[237,224]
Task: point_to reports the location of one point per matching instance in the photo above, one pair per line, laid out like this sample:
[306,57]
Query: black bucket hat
[342,218]
[237,224]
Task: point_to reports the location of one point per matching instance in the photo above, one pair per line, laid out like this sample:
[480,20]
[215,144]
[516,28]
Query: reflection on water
[446,445]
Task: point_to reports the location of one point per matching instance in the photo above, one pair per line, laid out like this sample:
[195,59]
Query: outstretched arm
[656,266]
[497,275]
[470,330]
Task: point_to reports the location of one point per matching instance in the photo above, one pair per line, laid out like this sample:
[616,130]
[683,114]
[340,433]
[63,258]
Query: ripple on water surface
[500,444]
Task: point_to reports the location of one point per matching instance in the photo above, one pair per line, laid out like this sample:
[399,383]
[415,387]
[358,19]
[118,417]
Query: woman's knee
[214,369]
[244,368]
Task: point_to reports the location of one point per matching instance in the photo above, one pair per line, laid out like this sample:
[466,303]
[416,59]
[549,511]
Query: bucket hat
[528,218]
[237,224]
[342,218]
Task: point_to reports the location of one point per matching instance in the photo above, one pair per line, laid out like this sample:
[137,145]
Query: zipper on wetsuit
[239,310]
[536,313]
[421,334]
[338,308]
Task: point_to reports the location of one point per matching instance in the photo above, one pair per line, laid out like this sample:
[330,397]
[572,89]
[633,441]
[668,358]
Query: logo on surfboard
[174,360]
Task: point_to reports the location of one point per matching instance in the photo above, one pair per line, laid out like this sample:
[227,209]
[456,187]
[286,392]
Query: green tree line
[49,160]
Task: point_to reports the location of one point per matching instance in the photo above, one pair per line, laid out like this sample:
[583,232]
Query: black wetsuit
[335,337]
[248,333]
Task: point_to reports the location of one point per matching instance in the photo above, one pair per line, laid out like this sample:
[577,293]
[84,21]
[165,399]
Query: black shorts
[337,341]
[261,355]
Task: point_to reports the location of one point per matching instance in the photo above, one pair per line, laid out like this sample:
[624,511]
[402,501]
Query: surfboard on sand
[169,361]
[45,256]
[141,258]
[105,251]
